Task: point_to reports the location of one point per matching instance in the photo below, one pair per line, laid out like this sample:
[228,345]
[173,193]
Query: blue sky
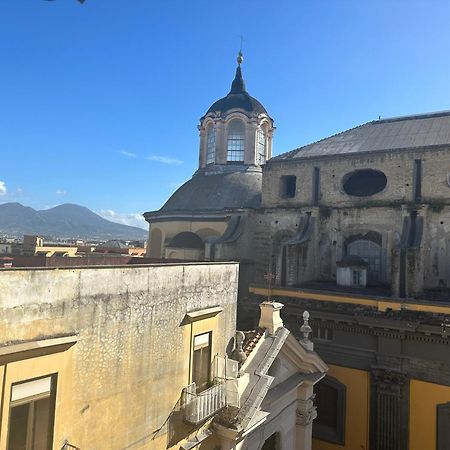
[100,102]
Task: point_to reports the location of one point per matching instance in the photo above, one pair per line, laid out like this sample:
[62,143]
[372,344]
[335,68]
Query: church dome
[214,192]
[237,98]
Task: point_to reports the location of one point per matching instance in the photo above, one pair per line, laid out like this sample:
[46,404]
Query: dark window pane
[18,425]
[327,405]
[41,424]
[201,364]
[288,186]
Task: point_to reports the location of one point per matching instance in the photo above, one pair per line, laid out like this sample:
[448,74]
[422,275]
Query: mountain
[63,221]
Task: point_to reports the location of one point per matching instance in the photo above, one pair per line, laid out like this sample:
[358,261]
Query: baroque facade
[356,229]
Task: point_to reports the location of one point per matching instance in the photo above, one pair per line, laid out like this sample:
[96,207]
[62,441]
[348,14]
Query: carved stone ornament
[389,381]
[306,411]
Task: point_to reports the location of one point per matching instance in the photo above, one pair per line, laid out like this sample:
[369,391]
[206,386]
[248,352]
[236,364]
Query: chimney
[270,316]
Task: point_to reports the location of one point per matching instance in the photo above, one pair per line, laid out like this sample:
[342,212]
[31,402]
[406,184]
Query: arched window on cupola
[210,144]
[260,146]
[236,141]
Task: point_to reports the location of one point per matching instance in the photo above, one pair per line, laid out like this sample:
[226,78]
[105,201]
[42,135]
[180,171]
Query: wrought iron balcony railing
[200,406]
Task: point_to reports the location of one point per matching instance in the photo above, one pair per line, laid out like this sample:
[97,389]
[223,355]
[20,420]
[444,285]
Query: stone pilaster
[390,424]
[305,414]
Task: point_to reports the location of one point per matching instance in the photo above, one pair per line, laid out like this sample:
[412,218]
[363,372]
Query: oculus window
[364,183]
[210,145]
[236,141]
[32,414]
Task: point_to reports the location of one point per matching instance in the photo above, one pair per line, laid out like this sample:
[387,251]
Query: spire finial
[306,330]
[240,57]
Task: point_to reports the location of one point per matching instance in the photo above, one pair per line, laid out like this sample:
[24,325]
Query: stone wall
[119,385]
[338,217]
[397,166]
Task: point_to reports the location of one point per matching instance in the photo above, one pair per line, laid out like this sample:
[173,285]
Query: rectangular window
[443,426]
[201,363]
[322,333]
[330,402]
[288,186]
[357,277]
[32,413]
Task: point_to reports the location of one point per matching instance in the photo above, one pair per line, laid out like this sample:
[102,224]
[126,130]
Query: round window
[365,182]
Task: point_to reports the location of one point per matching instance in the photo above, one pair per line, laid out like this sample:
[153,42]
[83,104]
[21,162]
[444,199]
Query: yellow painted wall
[357,409]
[423,399]
[120,384]
[172,228]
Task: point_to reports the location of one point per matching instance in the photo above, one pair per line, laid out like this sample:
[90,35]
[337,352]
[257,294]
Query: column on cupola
[221,142]
[269,138]
[250,142]
[202,147]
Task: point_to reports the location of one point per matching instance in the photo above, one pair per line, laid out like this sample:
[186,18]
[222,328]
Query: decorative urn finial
[238,353]
[306,331]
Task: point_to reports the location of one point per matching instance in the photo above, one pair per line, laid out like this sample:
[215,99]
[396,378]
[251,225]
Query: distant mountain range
[63,221]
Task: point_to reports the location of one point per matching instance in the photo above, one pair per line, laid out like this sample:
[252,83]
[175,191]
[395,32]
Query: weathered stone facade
[337,217]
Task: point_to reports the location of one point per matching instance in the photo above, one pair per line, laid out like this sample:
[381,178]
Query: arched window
[370,252]
[260,146]
[236,141]
[210,145]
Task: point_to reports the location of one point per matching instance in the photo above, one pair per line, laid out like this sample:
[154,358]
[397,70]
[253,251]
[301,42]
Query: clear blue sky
[99,102]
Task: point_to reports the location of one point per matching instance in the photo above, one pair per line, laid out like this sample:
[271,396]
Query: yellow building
[148,357]
[388,384]
[35,246]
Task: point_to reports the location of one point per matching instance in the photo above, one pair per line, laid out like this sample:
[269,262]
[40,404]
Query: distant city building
[35,245]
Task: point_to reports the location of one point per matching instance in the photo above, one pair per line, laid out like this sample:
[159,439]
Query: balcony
[199,406]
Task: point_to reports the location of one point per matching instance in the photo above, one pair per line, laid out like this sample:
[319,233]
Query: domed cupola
[236,131]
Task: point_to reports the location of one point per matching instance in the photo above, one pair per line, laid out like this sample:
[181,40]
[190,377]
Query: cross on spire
[269,277]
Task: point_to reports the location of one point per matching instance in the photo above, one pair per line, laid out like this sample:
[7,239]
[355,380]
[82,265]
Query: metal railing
[68,446]
[199,406]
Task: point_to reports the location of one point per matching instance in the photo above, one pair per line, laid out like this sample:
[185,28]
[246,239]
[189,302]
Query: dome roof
[215,192]
[238,97]
[113,244]
[242,101]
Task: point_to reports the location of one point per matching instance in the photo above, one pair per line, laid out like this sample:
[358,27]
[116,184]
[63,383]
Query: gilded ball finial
[240,58]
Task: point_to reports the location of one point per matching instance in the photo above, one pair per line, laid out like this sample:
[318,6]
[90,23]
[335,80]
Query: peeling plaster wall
[124,376]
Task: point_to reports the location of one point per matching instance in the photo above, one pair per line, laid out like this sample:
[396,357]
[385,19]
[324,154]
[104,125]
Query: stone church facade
[355,228]
[380,191]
